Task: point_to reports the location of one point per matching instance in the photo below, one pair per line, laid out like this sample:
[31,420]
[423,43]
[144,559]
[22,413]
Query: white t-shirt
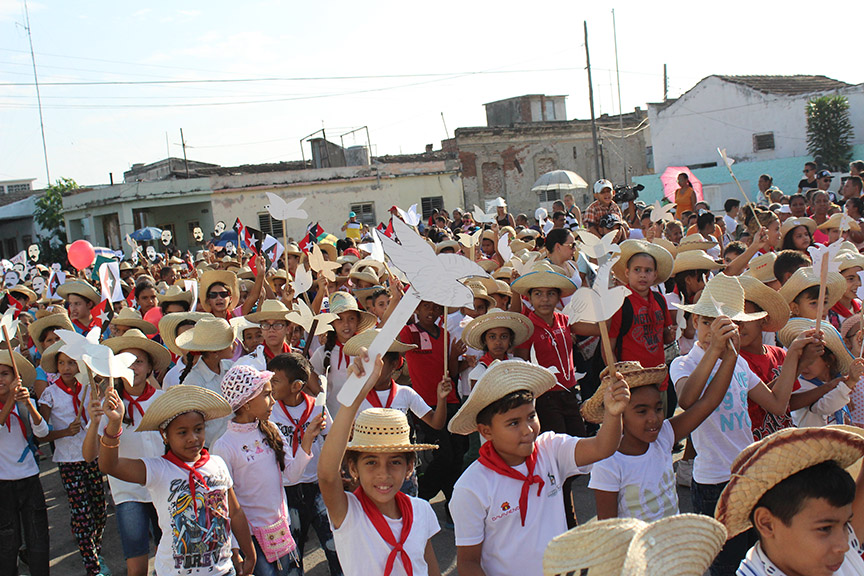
[68,448]
[172,377]
[191,545]
[821,412]
[134,444]
[645,483]
[16,459]
[456,323]
[336,375]
[257,478]
[201,375]
[277,416]
[485,508]
[727,431]
[406,399]
[362,552]
[756,563]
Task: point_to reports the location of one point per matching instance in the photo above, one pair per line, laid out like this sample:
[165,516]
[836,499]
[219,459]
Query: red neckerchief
[377,518]
[375,401]
[487,359]
[297,434]
[286,349]
[82,327]
[341,355]
[194,474]
[493,461]
[844,312]
[9,420]
[76,403]
[136,402]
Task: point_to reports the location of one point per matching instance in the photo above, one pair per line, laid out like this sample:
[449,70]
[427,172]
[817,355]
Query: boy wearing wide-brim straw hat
[793,488]
[801,292]
[495,333]
[129,318]
[682,545]
[850,264]
[695,242]
[272,318]
[513,492]
[175,299]
[762,268]
[727,431]
[80,298]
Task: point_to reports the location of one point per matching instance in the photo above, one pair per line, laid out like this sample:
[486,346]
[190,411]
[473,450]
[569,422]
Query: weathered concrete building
[18,229]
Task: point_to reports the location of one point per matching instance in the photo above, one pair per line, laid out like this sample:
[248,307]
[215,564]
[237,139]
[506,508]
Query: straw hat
[807,277]
[635,376]
[851,324]
[240,324]
[527,233]
[293,249]
[503,273]
[347,259]
[836,220]
[175,294]
[182,399]
[53,321]
[726,293]
[768,300]
[694,260]
[692,540]
[667,244]
[30,296]
[543,276]
[855,468]
[48,362]
[501,287]
[849,260]
[245,273]
[242,383]
[270,310]
[766,463]
[447,244]
[629,248]
[762,267]
[364,340]
[132,318]
[80,288]
[365,274]
[383,430]
[695,242]
[598,548]
[330,250]
[830,336]
[135,339]
[502,378]
[488,265]
[792,223]
[208,335]
[224,277]
[25,368]
[519,324]
[168,327]
[519,245]
[344,302]
[379,267]
[478,288]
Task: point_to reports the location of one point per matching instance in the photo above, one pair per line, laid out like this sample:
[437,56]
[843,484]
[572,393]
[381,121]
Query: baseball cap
[352,215]
[610,221]
[824,174]
[601,184]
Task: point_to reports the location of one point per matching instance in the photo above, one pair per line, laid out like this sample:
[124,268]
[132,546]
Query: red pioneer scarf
[136,402]
[375,401]
[194,474]
[286,349]
[297,434]
[13,414]
[492,460]
[76,403]
[377,518]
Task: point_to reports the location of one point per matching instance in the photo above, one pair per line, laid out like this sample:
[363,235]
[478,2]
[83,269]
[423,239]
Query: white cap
[601,184]
[785,209]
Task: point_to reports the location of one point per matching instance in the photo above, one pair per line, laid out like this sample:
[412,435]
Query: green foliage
[829,131]
[49,216]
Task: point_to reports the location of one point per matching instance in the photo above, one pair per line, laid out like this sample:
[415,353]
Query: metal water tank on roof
[356,156]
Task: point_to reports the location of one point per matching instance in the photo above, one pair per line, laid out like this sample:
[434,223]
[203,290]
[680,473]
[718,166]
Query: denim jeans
[705,498]
[306,508]
[137,522]
[22,508]
[289,563]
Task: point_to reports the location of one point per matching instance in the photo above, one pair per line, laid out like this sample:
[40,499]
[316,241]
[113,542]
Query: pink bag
[275,540]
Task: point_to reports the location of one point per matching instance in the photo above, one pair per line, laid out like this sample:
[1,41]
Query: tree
[829,131]
[49,216]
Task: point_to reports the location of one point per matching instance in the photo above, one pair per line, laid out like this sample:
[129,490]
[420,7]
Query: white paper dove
[481,216]
[728,161]
[599,248]
[504,247]
[845,222]
[75,345]
[102,361]
[598,303]
[659,212]
[323,267]
[410,217]
[377,249]
[521,267]
[9,322]
[281,210]
[470,240]
[302,280]
[819,252]
[302,316]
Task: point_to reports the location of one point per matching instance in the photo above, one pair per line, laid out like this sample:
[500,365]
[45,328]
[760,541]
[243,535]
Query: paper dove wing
[102,361]
[598,248]
[302,280]
[8,321]
[76,345]
[845,221]
[321,398]
[598,303]
[524,267]
[377,251]
[818,253]
[469,240]
[324,267]
[728,161]
[301,314]
[281,210]
[860,291]
[552,369]
[504,247]
[324,322]
[481,216]
[410,217]
[659,212]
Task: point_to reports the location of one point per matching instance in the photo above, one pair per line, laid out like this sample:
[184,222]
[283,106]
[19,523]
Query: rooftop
[787,85]
[12,197]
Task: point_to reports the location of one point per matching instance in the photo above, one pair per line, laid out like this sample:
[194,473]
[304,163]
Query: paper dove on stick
[819,252]
[524,267]
[102,361]
[281,210]
[75,345]
[470,240]
[9,322]
[302,316]
[302,280]
[410,217]
[599,248]
[504,247]
[323,267]
[728,161]
[598,303]
[666,212]
[481,216]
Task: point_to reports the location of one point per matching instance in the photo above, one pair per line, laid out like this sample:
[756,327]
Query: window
[11,247]
[140,218]
[27,240]
[268,225]
[763,141]
[365,213]
[549,195]
[17,188]
[431,203]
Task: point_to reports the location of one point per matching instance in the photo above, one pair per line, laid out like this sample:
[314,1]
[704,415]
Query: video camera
[625,193]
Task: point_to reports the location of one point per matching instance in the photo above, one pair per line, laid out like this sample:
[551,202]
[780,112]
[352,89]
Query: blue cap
[352,215]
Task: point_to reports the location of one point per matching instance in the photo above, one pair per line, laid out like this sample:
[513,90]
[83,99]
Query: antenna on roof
[38,96]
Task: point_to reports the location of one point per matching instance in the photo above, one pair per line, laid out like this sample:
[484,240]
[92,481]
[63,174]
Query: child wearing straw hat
[463,356]
[80,298]
[377,528]
[801,292]
[495,333]
[495,503]
[22,500]
[851,263]
[272,317]
[793,487]
[171,326]
[253,448]
[43,334]
[191,490]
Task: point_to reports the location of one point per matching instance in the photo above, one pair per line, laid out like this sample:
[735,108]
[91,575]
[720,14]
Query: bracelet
[119,433]
[102,442]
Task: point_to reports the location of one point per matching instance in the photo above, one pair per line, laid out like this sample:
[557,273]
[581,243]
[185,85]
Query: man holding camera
[603,204]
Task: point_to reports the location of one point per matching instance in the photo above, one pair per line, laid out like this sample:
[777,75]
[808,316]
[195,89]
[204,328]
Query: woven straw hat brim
[543,279]
[521,326]
[851,324]
[804,278]
[695,242]
[599,547]
[768,300]
[855,468]
[224,277]
[850,260]
[692,540]
[728,293]
[172,296]
[36,328]
[775,458]
[81,289]
[831,338]
[367,320]
[836,220]
[364,340]
[383,430]
[661,256]
[503,274]
[792,223]
[635,376]
[488,265]
[499,380]
[25,291]
[447,244]
[182,399]
[762,267]
[330,250]
[133,339]
[48,362]
[270,310]
[168,327]
[370,263]
[362,293]
[206,336]
[667,244]
[393,448]
[364,275]
[25,368]
[694,260]
[293,250]
[138,324]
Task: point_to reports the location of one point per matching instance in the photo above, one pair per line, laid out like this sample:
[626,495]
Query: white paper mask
[11,278]
[198,234]
[166,237]
[56,267]
[7,265]
[219,228]
[19,267]
[151,253]
[39,285]
[33,251]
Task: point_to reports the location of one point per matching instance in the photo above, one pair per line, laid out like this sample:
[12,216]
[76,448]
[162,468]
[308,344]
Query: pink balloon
[81,254]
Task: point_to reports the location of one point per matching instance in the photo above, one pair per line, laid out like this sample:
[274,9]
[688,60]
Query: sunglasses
[826,180]
[214,295]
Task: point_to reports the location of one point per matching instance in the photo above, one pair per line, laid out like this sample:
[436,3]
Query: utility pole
[618,80]
[665,84]
[38,96]
[183,144]
[591,102]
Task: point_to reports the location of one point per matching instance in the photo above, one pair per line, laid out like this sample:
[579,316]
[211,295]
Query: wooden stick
[607,348]
[823,279]
[446,351]
[11,353]
[285,245]
[22,406]
[309,339]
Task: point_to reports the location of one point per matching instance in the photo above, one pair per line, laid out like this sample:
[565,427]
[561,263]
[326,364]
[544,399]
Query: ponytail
[328,349]
[190,362]
[273,438]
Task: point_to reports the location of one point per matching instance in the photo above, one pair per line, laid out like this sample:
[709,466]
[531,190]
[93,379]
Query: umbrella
[670,182]
[225,237]
[559,180]
[148,233]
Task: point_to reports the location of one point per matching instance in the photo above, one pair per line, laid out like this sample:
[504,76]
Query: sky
[246,81]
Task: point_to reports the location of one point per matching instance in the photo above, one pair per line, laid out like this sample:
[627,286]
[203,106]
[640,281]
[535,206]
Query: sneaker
[684,473]
[103,567]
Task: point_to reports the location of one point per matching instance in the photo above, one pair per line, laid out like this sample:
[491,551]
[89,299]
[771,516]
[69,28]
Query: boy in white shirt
[503,522]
